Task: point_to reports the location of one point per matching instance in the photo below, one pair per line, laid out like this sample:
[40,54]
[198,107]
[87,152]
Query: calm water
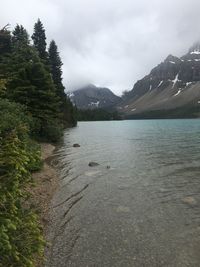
[142,211]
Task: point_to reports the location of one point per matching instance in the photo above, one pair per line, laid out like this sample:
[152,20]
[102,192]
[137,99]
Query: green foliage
[31,85]
[32,105]
[20,36]
[66,107]
[39,39]
[5,41]
[55,64]
[11,116]
[34,151]
[51,131]
[20,233]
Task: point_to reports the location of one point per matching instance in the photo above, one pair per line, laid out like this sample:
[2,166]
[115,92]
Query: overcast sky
[110,43]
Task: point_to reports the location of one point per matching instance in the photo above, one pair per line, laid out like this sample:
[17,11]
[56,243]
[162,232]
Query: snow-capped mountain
[92,97]
[175,83]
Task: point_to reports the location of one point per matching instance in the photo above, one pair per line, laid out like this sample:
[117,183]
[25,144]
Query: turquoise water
[144,210]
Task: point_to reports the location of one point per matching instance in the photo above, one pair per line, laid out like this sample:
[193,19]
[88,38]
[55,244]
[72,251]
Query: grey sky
[110,43]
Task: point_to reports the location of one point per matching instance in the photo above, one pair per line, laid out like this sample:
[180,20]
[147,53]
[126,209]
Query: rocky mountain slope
[92,97]
[173,84]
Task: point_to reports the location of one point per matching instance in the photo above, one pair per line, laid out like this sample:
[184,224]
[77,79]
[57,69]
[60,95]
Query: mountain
[92,97]
[172,86]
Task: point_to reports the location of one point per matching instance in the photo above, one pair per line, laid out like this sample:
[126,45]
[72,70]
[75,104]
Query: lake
[139,207]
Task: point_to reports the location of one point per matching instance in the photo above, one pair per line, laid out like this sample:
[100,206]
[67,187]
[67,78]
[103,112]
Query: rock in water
[189,201]
[93,164]
[76,145]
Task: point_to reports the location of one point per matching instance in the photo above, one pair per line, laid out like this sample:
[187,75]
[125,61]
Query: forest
[33,108]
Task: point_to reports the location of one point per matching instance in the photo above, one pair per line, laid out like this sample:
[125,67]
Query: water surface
[144,210]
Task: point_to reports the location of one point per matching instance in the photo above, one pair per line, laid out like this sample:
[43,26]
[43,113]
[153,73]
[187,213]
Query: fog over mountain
[110,43]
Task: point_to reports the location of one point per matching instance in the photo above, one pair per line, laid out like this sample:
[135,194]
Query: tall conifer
[39,39]
[55,64]
[66,107]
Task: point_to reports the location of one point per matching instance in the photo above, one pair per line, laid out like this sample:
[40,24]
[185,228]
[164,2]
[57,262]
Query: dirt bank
[45,183]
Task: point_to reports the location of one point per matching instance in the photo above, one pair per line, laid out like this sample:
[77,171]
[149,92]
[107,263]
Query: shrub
[51,130]
[20,233]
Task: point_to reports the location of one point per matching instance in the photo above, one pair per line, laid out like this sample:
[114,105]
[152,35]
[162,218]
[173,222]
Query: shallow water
[142,211]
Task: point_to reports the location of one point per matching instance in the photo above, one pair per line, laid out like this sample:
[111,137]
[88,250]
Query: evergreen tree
[66,107]
[55,64]
[31,85]
[5,40]
[39,39]
[20,36]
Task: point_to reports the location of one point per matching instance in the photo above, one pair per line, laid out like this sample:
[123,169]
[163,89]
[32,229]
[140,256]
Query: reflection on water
[142,211]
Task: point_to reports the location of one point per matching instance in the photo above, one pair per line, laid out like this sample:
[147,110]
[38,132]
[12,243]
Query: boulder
[93,164]
[76,145]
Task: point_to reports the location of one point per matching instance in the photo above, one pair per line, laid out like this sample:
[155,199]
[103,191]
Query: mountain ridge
[93,97]
[172,84]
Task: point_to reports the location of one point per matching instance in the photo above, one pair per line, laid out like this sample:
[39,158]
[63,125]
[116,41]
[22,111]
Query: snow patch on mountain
[195,52]
[188,83]
[94,104]
[175,80]
[161,82]
[179,91]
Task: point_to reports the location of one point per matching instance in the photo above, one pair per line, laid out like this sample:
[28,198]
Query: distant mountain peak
[172,84]
[170,57]
[92,97]
[195,48]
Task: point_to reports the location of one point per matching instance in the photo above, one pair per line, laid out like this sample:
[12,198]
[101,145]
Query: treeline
[184,112]
[32,76]
[33,106]
[97,115]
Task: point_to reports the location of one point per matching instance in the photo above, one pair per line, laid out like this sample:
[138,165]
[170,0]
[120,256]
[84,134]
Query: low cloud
[110,43]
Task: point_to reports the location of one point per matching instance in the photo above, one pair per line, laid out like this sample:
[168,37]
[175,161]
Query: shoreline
[46,183]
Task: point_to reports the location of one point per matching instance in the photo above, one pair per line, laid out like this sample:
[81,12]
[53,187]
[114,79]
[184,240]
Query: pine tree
[20,36]
[55,64]
[31,85]
[5,40]
[66,106]
[39,39]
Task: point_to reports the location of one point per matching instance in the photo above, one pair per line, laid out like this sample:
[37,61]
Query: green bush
[11,116]
[20,233]
[34,151]
[51,131]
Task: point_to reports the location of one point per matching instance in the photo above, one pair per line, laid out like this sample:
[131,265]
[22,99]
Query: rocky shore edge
[46,182]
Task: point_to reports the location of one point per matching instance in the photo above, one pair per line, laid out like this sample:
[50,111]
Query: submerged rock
[189,200]
[123,209]
[93,164]
[76,145]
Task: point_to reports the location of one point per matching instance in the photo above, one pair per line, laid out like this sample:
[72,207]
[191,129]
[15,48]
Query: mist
[110,43]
